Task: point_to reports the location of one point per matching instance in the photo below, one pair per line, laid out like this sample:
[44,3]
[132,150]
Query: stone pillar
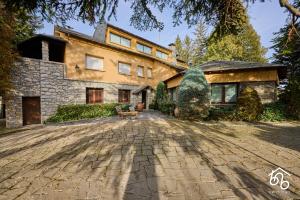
[45,50]
[14,115]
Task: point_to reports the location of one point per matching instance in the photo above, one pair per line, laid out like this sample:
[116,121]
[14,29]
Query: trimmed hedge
[83,111]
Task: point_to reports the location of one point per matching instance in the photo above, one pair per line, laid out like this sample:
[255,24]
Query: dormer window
[143,48]
[161,55]
[117,39]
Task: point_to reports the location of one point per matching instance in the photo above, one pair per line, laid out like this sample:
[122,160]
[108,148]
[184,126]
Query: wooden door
[31,110]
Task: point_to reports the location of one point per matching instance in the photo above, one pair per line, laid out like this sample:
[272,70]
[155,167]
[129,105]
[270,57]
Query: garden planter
[140,107]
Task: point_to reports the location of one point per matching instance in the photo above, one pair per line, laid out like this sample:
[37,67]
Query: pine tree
[178,46]
[199,43]
[187,50]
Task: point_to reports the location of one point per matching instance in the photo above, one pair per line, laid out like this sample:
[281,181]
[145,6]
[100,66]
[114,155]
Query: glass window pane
[94,63]
[125,42]
[140,71]
[140,47]
[161,55]
[147,50]
[230,93]
[124,68]
[149,73]
[216,93]
[114,38]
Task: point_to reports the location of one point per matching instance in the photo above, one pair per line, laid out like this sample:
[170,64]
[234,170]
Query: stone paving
[150,159]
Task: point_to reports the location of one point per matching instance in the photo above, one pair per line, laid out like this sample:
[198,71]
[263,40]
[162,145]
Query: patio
[150,158]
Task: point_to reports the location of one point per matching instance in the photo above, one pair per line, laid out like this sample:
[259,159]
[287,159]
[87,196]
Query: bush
[291,97]
[167,107]
[125,107]
[273,112]
[222,113]
[161,95]
[193,95]
[153,106]
[84,111]
[249,105]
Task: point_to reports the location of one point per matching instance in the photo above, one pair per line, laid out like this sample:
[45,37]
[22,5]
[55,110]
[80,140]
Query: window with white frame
[124,68]
[161,55]
[149,72]
[143,48]
[120,40]
[140,71]
[93,62]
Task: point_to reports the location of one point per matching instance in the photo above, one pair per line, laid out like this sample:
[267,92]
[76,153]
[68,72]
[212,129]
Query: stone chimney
[172,47]
[100,31]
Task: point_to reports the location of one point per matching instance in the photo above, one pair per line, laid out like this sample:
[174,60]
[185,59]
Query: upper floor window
[224,93]
[161,55]
[143,48]
[92,62]
[149,73]
[124,68]
[140,71]
[120,40]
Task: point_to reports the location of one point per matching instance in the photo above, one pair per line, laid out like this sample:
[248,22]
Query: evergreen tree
[178,46]
[199,43]
[193,97]
[187,50]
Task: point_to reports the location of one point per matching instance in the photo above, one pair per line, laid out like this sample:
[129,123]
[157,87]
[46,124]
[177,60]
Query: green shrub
[125,107]
[222,113]
[84,111]
[291,97]
[161,95]
[167,107]
[193,95]
[274,112]
[249,105]
[153,106]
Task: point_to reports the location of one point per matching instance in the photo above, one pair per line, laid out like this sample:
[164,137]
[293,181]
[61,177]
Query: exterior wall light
[77,68]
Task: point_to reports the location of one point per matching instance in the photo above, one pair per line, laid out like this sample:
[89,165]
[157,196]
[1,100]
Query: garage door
[31,110]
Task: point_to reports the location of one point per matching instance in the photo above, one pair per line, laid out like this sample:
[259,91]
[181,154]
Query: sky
[266,18]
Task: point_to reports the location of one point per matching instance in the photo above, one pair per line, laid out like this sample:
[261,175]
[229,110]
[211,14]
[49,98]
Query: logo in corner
[276,178]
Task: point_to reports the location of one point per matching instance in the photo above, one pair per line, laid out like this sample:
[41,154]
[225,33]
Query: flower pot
[140,107]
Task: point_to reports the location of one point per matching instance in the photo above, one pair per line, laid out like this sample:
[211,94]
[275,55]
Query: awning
[141,89]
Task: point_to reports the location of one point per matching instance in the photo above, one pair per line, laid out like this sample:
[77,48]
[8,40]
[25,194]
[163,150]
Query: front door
[144,98]
[31,110]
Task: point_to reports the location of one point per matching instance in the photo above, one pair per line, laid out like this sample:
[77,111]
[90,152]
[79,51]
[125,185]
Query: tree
[14,28]
[187,50]
[199,43]
[178,46]
[243,46]
[193,94]
[228,14]
[161,95]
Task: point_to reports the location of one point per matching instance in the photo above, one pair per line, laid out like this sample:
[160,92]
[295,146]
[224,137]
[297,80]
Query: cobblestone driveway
[150,159]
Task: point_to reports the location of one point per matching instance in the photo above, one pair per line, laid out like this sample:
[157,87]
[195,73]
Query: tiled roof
[235,65]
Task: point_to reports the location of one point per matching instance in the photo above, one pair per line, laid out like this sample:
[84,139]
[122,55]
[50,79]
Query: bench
[125,114]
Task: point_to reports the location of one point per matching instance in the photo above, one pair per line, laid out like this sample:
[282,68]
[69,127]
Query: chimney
[172,47]
[100,31]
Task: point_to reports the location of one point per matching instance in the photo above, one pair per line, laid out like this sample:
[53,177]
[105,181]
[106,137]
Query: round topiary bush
[161,95]
[249,105]
[193,100]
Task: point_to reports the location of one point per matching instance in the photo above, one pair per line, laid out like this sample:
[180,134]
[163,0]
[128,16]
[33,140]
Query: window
[173,94]
[140,71]
[143,48]
[124,68]
[94,95]
[120,40]
[149,72]
[161,55]
[124,96]
[92,62]
[223,93]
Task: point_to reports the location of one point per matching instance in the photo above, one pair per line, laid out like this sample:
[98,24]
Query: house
[113,65]
[227,78]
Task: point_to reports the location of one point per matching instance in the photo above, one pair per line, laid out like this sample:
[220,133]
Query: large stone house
[73,68]
[113,65]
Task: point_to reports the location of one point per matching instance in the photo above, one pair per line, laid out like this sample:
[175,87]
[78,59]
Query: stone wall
[266,90]
[46,79]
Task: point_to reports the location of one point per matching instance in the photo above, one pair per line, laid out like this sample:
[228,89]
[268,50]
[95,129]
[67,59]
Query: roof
[217,66]
[141,89]
[44,37]
[235,65]
[118,28]
[91,39]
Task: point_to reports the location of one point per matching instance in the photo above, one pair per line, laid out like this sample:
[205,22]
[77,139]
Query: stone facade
[46,79]
[266,90]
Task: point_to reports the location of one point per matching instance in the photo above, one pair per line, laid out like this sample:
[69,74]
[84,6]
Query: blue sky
[266,18]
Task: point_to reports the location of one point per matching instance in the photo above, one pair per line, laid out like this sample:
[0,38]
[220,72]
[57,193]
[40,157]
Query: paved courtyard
[155,158]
